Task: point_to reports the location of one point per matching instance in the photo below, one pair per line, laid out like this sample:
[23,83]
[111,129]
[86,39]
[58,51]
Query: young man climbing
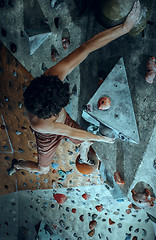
[46,97]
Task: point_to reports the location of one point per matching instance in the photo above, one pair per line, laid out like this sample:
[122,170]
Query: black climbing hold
[1,3]
[10,3]
[5,147]
[74,90]
[13,47]
[3,32]
[56,22]
[20,150]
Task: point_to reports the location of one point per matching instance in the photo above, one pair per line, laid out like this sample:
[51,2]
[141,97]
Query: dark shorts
[47,143]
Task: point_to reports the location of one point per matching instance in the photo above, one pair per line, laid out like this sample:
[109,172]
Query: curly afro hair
[46,96]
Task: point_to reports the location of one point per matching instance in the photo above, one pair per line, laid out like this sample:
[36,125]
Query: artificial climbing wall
[18,142]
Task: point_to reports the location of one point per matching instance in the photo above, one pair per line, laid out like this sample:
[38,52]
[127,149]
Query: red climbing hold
[73,210]
[111,222]
[86,196]
[60,198]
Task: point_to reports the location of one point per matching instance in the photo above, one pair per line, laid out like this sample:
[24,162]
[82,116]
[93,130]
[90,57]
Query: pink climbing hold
[60,198]
[86,196]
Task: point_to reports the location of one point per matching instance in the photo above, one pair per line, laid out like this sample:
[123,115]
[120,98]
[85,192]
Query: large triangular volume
[120,116]
[35,25]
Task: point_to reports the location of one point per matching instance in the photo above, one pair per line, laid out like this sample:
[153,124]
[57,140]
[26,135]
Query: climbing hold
[56,3]
[100,81]
[144,198]
[111,222]
[20,105]
[86,196]
[118,178]
[56,22]
[14,73]
[128,236]
[24,128]
[65,43]
[88,168]
[128,211]
[94,216]
[54,54]
[104,103]
[66,139]
[61,222]
[6,98]
[77,149]
[74,90]
[119,225]
[81,218]
[5,147]
[92,224]
[3,32]
[151,68]
[24,87]
[70,171]
[45,180]
[13,47]
[60,198]
[2,126]
[65,38]
[91,233]
[70,152]
[60,185]
[54,165]
[1,3]
[99,208]
[53,171]
[73,210]
[154,164]
[7,158]
[18,132]
[20,150]
[62,174]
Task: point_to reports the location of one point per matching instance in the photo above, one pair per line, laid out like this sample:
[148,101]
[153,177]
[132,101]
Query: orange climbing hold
[118,178]
[104,103]
[85,168]
[99,208]
[143,199]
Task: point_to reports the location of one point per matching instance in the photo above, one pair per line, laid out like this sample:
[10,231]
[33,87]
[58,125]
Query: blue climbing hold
[54,165]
